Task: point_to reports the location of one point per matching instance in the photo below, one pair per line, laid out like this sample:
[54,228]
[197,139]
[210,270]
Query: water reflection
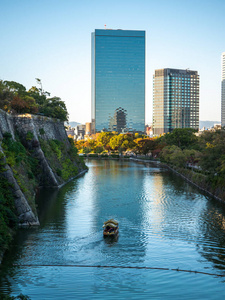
[111,240]
[164,222]
[212,243]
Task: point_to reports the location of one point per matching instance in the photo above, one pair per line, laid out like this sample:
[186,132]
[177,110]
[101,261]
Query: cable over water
[120,267]
[169,231]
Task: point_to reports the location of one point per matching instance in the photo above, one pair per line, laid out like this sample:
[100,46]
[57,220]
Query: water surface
[165,224]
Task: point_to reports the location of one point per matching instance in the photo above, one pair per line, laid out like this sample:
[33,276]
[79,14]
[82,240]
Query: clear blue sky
[51,40]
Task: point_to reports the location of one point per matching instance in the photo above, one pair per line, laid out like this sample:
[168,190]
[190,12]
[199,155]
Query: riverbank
[196,179]
[199,182]
[117,156]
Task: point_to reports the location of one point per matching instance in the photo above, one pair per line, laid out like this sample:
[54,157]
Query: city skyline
[51,41]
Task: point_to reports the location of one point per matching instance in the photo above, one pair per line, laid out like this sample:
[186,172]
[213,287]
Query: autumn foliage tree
[24,105]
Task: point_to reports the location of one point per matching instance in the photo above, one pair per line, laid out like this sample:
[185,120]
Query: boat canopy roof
[112,223]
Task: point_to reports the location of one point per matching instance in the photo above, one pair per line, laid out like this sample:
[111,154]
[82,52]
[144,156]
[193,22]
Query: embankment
[202,182]
[197,179]
[34,152]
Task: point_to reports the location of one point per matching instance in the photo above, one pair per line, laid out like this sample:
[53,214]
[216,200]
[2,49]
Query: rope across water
[119,267]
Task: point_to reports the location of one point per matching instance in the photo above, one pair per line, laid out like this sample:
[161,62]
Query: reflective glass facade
[223,91]
[175,100]
[118,80]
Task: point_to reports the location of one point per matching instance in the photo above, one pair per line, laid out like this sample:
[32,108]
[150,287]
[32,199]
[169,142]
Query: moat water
[168,230]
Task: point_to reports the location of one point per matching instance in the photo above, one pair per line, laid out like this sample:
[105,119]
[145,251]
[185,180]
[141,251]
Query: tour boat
[111,227]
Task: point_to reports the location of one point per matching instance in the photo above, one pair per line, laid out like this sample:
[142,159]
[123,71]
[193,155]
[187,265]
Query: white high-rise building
[223,91]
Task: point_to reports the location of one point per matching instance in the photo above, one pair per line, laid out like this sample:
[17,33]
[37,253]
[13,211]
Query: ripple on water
[164,223]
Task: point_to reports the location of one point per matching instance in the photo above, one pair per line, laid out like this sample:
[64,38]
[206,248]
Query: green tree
[31,104]
[55,108]
[40,99]
[213,152]
[5,97]
[146,145]
[192,156]
[173,155]
[181,137]
[15,87]
[41,90]
[15,98]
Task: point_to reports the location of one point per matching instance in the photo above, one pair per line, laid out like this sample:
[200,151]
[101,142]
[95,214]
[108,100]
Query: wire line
[119,267]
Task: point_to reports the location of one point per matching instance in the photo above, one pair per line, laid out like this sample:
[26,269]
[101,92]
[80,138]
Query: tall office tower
[223,91]
[175,100]
[118,80]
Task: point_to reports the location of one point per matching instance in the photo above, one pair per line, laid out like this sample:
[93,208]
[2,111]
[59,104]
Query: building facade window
[118,80]
[179,100]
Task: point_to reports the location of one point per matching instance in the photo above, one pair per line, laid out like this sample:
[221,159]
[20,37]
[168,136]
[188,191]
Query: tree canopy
[14,98]
[114,142]
[181,149]
[180,137]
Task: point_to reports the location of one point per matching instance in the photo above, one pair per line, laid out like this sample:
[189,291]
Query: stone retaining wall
[40,127]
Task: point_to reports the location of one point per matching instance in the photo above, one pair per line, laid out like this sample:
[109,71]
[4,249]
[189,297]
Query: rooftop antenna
[105,26]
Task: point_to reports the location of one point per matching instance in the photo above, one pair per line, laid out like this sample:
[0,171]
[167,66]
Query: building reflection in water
[118,198]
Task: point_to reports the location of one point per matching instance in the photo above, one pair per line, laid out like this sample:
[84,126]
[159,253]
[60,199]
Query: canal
[171,242]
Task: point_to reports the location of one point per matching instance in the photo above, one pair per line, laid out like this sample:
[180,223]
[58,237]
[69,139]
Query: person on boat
[109,229]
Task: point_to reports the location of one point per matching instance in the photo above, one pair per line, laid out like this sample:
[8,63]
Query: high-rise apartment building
[118,80]
[223,91]
[175,100]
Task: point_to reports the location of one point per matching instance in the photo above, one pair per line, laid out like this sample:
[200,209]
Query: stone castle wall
[40,127]
[53,128]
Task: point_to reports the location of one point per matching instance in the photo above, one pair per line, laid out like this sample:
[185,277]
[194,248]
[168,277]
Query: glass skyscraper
[175,100]
[223,91]
[118,80]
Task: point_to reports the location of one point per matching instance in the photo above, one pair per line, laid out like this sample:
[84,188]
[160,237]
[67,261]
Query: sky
[51,40]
